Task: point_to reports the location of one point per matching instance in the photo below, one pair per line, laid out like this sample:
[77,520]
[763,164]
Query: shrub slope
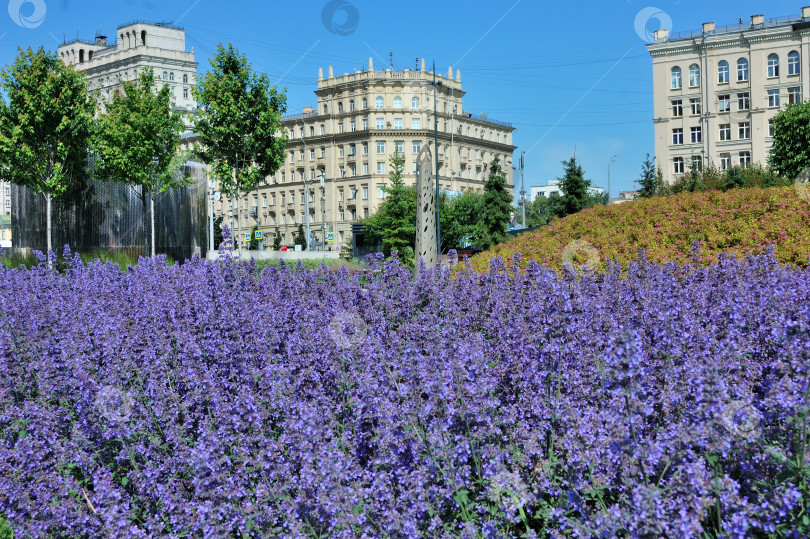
[738,222]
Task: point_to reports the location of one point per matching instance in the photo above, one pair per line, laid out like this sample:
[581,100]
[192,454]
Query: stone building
[716,90]
[359,121]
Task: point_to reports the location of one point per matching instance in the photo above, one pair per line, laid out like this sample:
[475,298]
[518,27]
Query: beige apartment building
[716,90]
[360,120]
[139,44]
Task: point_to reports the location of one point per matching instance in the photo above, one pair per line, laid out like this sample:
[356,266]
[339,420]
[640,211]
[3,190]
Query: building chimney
[331,73]
[806,13]
[307,110]
[320,73]
[708,27]
[371,63]
[757,20]
[661,35]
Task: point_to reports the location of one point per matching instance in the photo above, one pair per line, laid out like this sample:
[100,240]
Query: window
[794,95]
[415,103]
[292,157]
[352,149]
[677,108]
[380,123]
[745,159]
[725,131]
[793,63]
[380,167]
[743,101]
[323,130]
[697,162]
[365,103]
[351,105]
[365,123]
[365,169]
[677,136]
[399,147]
[742,70]
[165,76]
[415,167]
[770,127]
[416,123]
[773,98]
[340,151]
[340,194]
[379,102]
[678,167]
[417,146]
[380,146]
[694,75]
[325,108]
[773,66]
[725,161]
[322,153]
[311,130]
[397,123]
[365,148]
[353,126]
[171,76]
[694,104]
[744,130]
[185,93]
[676,78]
[696,135]
[723,103]
[722,72]
[365,192]
[292,197]
[397,102]
[340,107]
[185,78]
[340,126]
[312,155]
[380,192]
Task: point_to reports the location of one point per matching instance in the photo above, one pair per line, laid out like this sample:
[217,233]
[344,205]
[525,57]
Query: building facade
[553,188]
[347,139]
[716,90]
[161,46]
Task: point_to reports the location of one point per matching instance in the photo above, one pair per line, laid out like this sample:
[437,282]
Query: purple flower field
[213,399]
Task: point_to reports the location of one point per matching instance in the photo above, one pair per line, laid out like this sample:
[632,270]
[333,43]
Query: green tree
[650,179]
[497,206]
[254,243]
[239,123]
[574,187]
[541,210]
[790,152]
[277,241]
[137,141]
[394,223]
[461,220]
[218,231]
[300,238]
[46,125]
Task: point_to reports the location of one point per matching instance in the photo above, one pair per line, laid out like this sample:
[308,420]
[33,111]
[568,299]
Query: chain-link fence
[102,215]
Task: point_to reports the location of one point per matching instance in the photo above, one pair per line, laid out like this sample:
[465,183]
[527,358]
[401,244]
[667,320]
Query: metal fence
[102,215]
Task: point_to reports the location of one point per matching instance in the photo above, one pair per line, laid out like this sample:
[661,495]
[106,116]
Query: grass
[315,263]
[16,258]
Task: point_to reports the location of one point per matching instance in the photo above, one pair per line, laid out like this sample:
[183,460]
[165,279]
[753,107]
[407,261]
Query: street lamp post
[611,160]
[436,83]
[323,210]
[522,200]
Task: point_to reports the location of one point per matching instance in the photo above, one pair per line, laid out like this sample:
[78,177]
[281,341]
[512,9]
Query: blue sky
[570,76]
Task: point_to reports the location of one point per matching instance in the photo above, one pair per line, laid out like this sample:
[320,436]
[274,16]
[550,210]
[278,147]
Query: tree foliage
[790,152]
[461,220]
[277,241]
[46,125]
[650,180]
[301,238]
[394,223]
[574,187]
[497,206]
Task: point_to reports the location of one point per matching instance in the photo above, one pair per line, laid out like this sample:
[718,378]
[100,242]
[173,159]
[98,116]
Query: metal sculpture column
[425,211]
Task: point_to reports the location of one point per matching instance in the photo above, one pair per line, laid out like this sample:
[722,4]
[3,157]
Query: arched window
[365,103]
[165,75]
[415,103]
[325,108]
[143,37]
[694,75]
[793,63]
[185,78]
[351,104]
[397,102]
[379,102]
[340,107]
[81,55]
[89,56]
[722,72]
[323,130]
[311,130]
[773,65]
[676,78]
[171,76]
[742,70]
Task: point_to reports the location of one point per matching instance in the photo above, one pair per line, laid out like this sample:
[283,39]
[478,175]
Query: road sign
[247,236]
[258,235]
[330,236]
[511,228]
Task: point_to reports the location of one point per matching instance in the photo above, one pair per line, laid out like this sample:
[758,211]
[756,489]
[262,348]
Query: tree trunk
[238,214]
[152,218]
[49,239]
